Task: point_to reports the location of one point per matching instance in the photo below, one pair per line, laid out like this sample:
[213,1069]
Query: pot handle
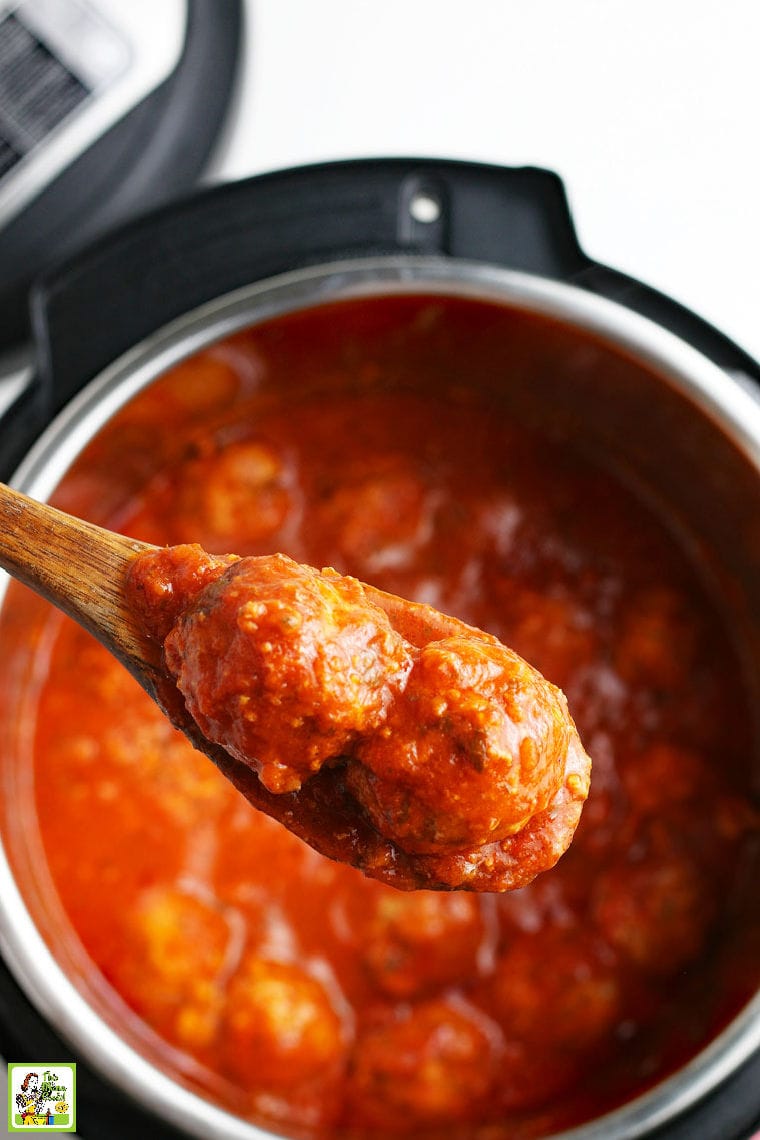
[134,281]
[91,309]
[21,422]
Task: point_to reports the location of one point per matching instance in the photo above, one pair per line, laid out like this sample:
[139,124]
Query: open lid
[106,110]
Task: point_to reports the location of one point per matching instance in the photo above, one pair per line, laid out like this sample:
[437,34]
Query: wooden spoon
[82,569]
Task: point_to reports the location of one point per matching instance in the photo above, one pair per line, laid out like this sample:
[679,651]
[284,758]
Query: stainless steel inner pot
[685,431]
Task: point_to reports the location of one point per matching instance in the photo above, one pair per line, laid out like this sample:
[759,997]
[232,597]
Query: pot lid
[106,110]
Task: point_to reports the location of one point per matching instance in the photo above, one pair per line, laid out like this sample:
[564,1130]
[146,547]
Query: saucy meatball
[285,667]
[197,387]
[654,904]
[553,632]
[421,941]
[666,774]
[557,989]
[240,495]
[178,945]
[658,639]
[280,1029]
[432,1063]
[380,518]
[471,750]
[710,818]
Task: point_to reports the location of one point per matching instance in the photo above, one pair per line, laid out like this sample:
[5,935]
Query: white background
[648,109]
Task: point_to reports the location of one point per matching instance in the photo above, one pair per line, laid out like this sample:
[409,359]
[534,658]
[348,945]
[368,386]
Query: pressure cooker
[632,369]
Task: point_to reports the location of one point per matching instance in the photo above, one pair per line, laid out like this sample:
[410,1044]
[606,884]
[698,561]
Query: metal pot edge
[722,398]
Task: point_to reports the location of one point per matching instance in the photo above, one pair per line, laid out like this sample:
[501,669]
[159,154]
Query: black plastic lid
[156,152]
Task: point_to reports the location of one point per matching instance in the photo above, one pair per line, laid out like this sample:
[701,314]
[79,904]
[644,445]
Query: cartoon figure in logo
[30,1103]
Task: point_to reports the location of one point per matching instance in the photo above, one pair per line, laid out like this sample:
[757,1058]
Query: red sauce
[304,994]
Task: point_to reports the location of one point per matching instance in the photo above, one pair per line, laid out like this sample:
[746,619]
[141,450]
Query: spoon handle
[77,566]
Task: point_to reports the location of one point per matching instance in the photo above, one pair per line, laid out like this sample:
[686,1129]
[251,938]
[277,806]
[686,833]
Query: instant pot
[106,110]
[638,374]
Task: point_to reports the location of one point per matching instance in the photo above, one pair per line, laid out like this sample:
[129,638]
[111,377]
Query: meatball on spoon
[380,731]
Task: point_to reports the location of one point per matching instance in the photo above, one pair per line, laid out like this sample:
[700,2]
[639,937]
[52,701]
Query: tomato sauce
[291,989]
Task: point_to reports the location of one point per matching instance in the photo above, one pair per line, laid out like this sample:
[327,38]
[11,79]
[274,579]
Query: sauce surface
[289,988]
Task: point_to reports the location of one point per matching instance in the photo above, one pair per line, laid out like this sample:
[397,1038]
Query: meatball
[177,950]
[556,989]
[285,667]
[553,632]
[429,1064]
[237,497]
[163,583]
[677,782]
[666,775]
[472,749]
[280,1030]
[201,385]
[654,905]
[658,639]
[417,942]
[380,518]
